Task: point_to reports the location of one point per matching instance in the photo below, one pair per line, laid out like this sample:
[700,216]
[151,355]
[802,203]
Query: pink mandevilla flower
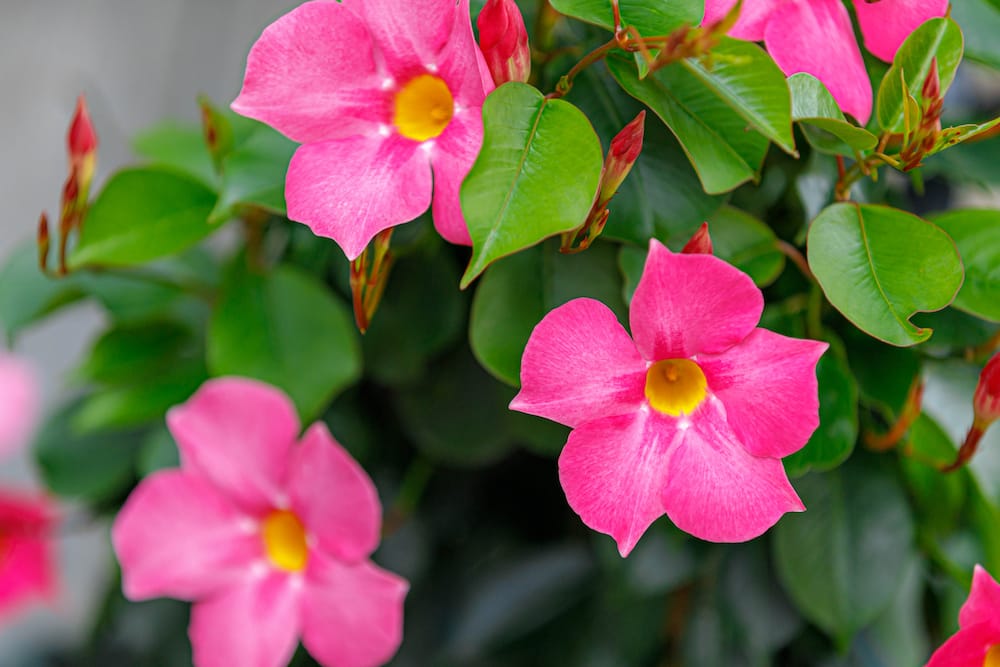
[816,36]
[27,569]
[270,539]
[18,403]
[380,93]
[689,418]
[977,642]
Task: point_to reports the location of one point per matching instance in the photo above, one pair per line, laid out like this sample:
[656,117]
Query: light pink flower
[380,93]
[18,403]
[690,419]
[816,36]
[270,539]
[26,561]
[977,642]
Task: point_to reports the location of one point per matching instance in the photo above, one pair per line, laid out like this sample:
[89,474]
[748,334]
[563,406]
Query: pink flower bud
[624,151]
[81,138]
[986,400]
[503,40]
[700,243]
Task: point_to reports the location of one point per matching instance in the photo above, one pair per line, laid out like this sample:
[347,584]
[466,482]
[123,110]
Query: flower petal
[451,158]
[689,304]
[767,383]
[967,647]
[334,497]
[252,624]
[984,601]
[306,79]
[18,403]
[817,37]
[351,189]
[352,615]
[753,16]
[238,433]
[178,536]
[580,365]
[27,561]
[719,492]
[885,25]
[613,471]
[462,64]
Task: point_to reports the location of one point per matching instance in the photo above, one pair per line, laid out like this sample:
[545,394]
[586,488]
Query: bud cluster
[921,141]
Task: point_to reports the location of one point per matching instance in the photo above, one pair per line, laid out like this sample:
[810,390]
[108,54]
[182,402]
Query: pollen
[285,541]
[675,387]
[993,657]
[424,107]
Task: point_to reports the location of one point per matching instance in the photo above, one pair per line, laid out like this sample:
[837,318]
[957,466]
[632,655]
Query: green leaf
[878,266]
[286,329]
[129,353]
[516,293]
[158,451]
[822,121]
[253,174]
[535,176]
[143,214]
[27,294]
[952,136]
[939,498]
[977,235]
[709,109]
[980,21]
[839,560]
[649,18]
[938,38]
[180,146]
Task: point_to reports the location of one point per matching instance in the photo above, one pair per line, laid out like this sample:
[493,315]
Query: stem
[566,81]
[968,447]
[911,410]
[793,253]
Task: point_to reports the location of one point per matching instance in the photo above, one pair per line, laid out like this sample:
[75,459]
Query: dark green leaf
[253,174]
[649,18]
[977,234]
[939,497]
[27,294]
[134,353]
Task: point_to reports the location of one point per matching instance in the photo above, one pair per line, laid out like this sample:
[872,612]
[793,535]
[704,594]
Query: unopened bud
[932,84]
[503,40]
[81,138]
[624,151]
[700,243]
[217,131]
[43,242]
[986,399]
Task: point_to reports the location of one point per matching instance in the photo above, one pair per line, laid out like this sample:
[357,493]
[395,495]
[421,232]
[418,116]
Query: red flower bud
[43,242]
[700,243]
[986,399]
[82,139]
[503,40]
[624,151]
[932,84]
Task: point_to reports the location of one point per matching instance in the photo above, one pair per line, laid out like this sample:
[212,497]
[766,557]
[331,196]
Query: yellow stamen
[424,107]
[675,386]
[285,541]
[993,657]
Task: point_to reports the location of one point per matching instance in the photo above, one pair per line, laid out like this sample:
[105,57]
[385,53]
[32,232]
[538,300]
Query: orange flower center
[993,657]
[424,107]
[285,541]
[675,386]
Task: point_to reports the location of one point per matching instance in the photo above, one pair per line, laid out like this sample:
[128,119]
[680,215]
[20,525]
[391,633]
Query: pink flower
[18,403]
[380,93]
[26,560]
[977,642]
[270,539]
[816,36]
[690,419]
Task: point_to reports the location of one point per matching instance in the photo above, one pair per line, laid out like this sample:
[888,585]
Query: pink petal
[310,81]
[817,37]
[238,433]
[767,383]
[613,471]
[19,403]
[27,561]
[984,601]
[461,63]
[752,20]
[334,497]
[452,157]
[177,536]
[885,25]
[351,189]
[967,647]
[352,615]
[690,304]
[580,365]
[252,624]
[719,492]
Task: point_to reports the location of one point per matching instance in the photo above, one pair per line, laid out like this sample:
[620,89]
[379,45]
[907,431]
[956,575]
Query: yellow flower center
[993,657]
[675,386]
[424,107]
[285,541]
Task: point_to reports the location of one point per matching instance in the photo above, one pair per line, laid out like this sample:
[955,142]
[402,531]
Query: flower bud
[986,399]
[43,242]
[503,40]
[624,151]
[700,243]
[81,138]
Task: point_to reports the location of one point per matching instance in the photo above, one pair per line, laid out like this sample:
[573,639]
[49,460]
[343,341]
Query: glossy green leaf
[938,38]
[253,174]
[134,353]
[516,293]
[878,266]
[287,329]
[143,214]
[180,146]
[938,497]
[709,108]
[952,136]
[977,235]
[822,121]
[535,176]
[27,294]
[839,560]
[649,18]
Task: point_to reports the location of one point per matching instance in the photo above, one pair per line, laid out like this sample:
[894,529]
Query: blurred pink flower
[26,560]
[977,642]
[270,539]
[816,36]
[18,403]
[690,419]
[380,93]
